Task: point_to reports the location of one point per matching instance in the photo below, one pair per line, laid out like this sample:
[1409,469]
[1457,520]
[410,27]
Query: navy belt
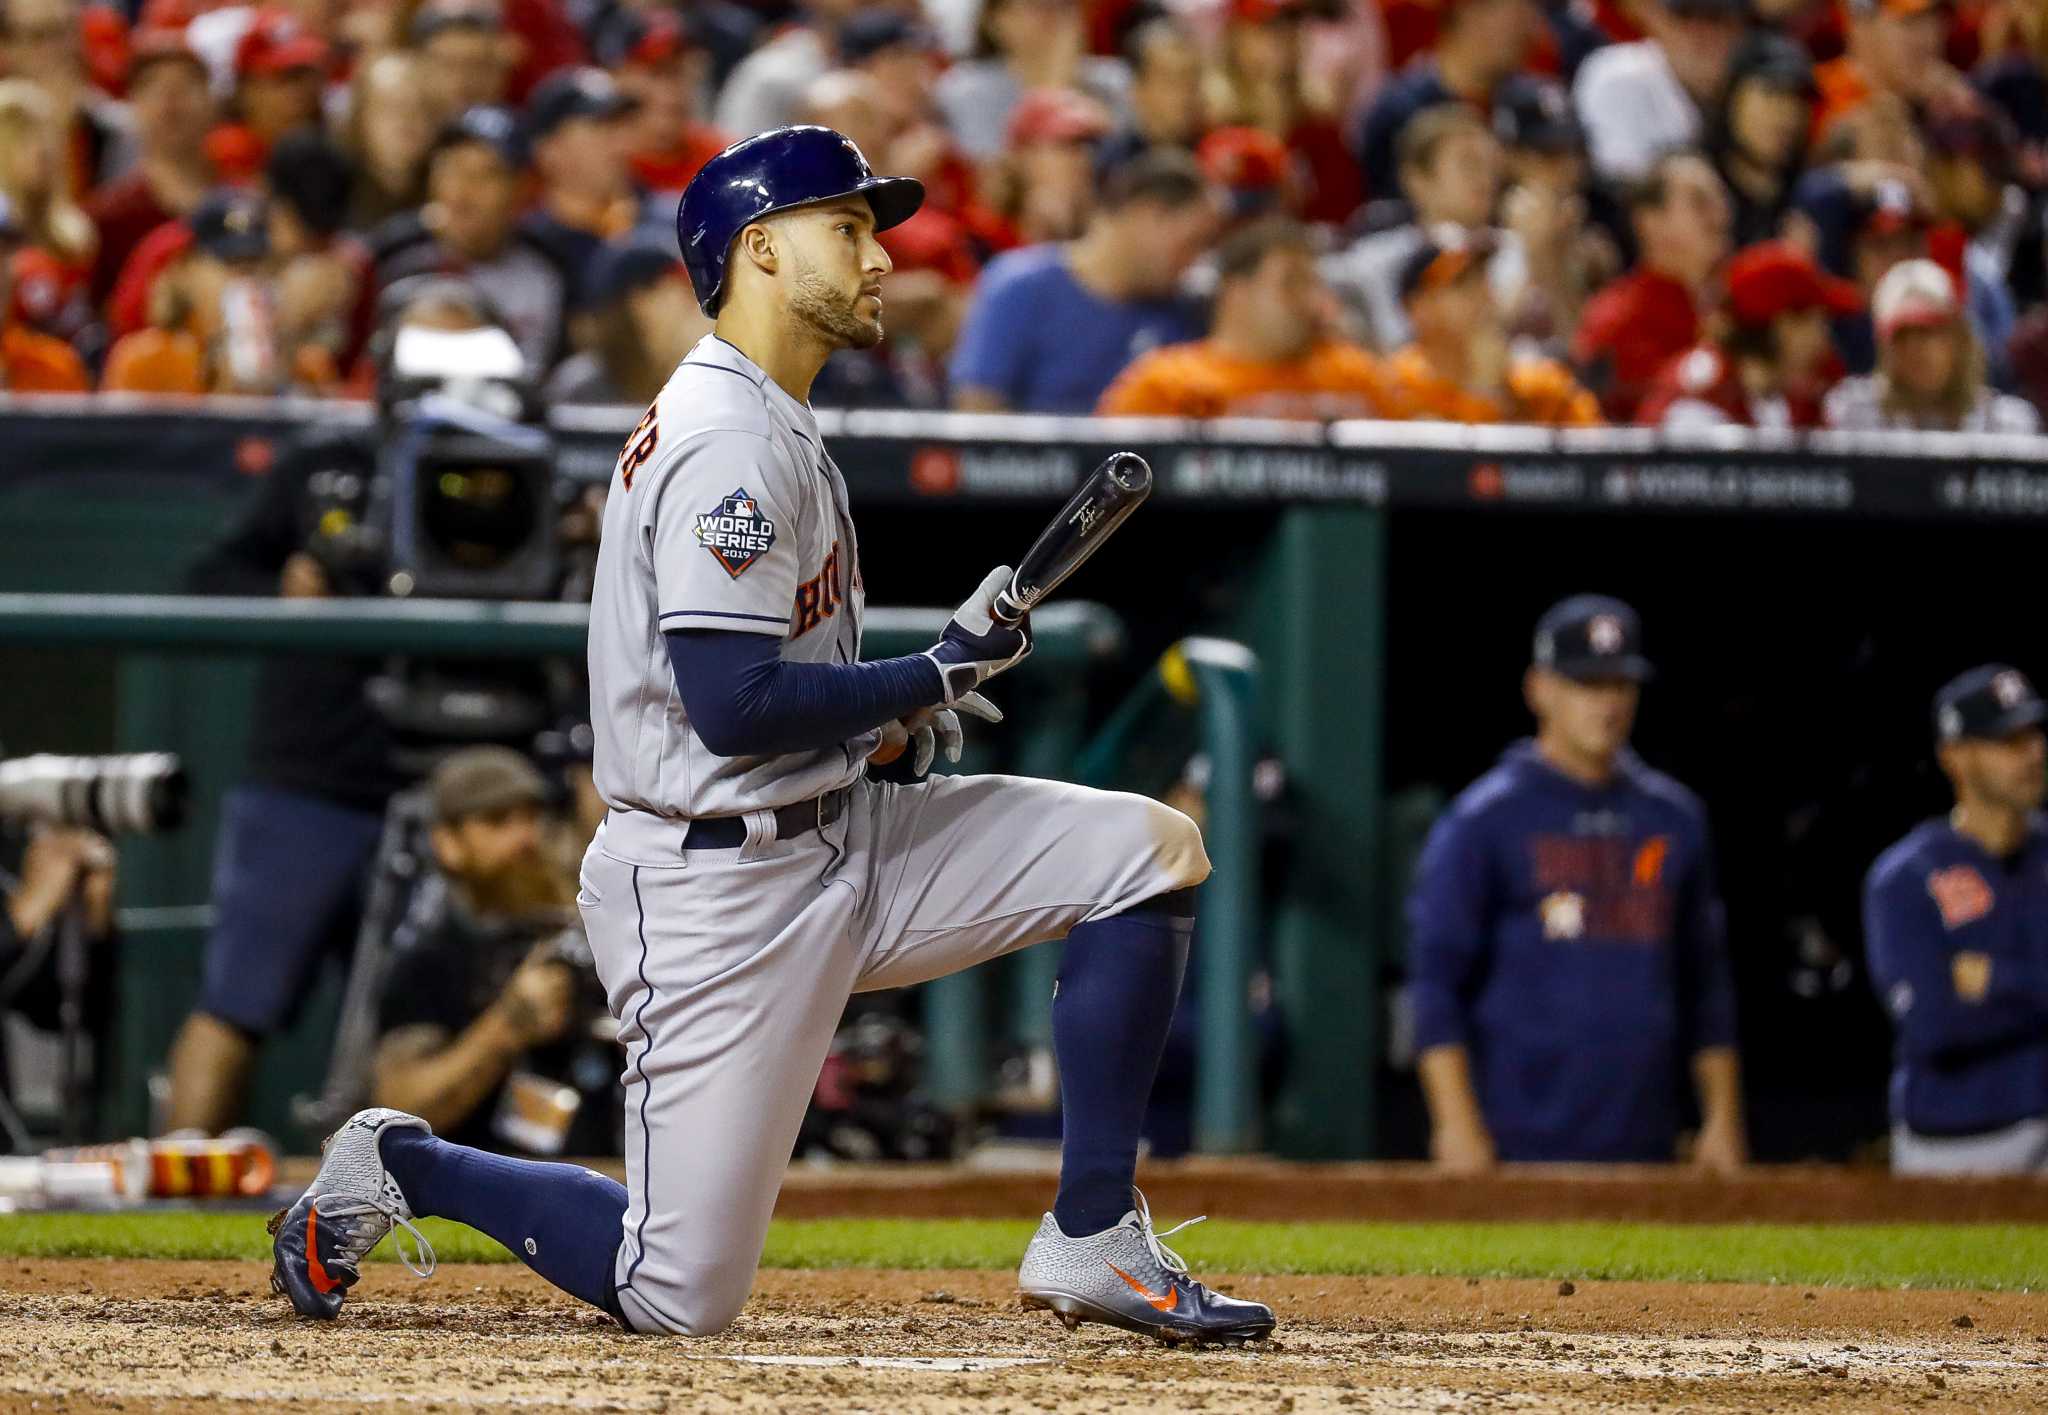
[730,832]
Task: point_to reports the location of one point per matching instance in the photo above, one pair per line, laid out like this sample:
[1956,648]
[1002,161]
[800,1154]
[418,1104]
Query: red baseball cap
[1057,115]
[277,43]
[1777,277]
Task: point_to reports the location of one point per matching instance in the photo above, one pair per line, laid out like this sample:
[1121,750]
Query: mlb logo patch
[736,532]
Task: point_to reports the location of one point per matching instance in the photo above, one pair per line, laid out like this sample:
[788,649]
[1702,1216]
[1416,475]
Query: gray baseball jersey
[728,969]
[724,513]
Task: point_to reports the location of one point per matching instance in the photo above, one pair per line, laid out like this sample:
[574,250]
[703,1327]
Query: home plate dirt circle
[93,1335]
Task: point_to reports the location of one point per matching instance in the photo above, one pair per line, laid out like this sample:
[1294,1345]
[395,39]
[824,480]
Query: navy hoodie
[1571,939]
[1962,1067]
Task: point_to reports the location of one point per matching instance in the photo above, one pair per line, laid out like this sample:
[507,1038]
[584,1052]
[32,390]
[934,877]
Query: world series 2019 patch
[736,532]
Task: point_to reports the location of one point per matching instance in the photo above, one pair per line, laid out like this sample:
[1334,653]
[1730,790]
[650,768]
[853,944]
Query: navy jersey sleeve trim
[723,614]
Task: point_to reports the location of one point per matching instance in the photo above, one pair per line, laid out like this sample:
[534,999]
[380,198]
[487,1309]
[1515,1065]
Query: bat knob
[1129,471]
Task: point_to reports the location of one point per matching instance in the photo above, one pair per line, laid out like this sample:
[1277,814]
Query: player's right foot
[320,1241]
[1126,1277]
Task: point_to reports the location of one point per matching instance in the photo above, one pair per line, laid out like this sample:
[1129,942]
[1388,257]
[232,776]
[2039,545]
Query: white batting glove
[938,729]
[976,646]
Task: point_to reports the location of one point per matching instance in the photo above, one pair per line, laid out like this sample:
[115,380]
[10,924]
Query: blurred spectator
[1052,325]
[1758,138]
[662,72]
[900,56]
[214,316]
[465,57]
[1260,84]
[850,102]
[1045,184]
[1482,42]
[723,32]
[1023,45]
[1930,369]
[577,135]
[173,110]
[30,361]
[769,83]
[1766,357]
[1894,47]
[1461,368]
[2016,78]
[41,42]
[1865,227]
[1568,954]
[1166,94]
[35,180]
[477,1015]
[1951,918]
[322,275]
[1451,169]
[637,321]
[1638,100]
[1269,353]
[390,128]
[470,227]
[280,77]
[1544,212]
[1972,167]
[1638,324]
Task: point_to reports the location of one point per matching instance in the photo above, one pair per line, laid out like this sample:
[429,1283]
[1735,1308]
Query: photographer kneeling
[483,1020]
[60,866]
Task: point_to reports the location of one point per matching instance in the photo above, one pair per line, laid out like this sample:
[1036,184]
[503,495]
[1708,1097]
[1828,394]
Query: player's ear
[757,243]
[1532,690]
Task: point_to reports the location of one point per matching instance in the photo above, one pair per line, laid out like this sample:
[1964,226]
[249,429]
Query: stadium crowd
[1683,212]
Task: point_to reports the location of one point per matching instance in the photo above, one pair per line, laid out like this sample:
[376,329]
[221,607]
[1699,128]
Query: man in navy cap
[575,129]
[470,227]
[1566,955]
[1955,917]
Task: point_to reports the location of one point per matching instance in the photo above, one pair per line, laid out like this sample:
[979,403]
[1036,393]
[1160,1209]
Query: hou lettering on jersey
[735,532]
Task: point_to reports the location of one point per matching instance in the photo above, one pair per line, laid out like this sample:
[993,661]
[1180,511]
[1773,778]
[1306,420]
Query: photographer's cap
[1590,637]
[478,780]
[1993,701]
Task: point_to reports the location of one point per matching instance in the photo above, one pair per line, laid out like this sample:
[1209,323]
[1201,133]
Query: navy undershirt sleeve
[744,700]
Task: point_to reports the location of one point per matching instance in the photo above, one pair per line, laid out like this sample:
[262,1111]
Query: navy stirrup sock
[562,1220]
[1119,981]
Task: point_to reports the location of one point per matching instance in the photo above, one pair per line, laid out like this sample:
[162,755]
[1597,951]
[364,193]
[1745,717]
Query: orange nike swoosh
[322,1283]
[1164,1304]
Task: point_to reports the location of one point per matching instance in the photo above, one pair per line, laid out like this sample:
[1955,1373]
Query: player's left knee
[1177,845]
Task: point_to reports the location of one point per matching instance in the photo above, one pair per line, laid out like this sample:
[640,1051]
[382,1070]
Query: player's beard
[836,318]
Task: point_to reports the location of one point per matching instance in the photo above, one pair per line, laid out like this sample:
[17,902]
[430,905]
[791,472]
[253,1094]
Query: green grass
[2007,1257]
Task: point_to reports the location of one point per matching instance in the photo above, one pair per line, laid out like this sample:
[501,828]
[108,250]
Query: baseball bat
[1109,495]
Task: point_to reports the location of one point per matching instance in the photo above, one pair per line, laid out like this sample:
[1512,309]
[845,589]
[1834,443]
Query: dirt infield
[105,1335]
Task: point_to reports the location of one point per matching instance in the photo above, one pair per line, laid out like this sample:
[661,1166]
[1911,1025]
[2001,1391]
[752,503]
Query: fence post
[1221,676]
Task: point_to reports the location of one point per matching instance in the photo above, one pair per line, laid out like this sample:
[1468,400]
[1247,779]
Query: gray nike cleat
[320,1241]
[1126,1277]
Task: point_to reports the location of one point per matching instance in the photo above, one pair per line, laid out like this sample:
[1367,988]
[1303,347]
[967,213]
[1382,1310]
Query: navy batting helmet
[770,172]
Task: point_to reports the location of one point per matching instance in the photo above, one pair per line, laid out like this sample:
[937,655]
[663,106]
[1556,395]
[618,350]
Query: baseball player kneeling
[749,877]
